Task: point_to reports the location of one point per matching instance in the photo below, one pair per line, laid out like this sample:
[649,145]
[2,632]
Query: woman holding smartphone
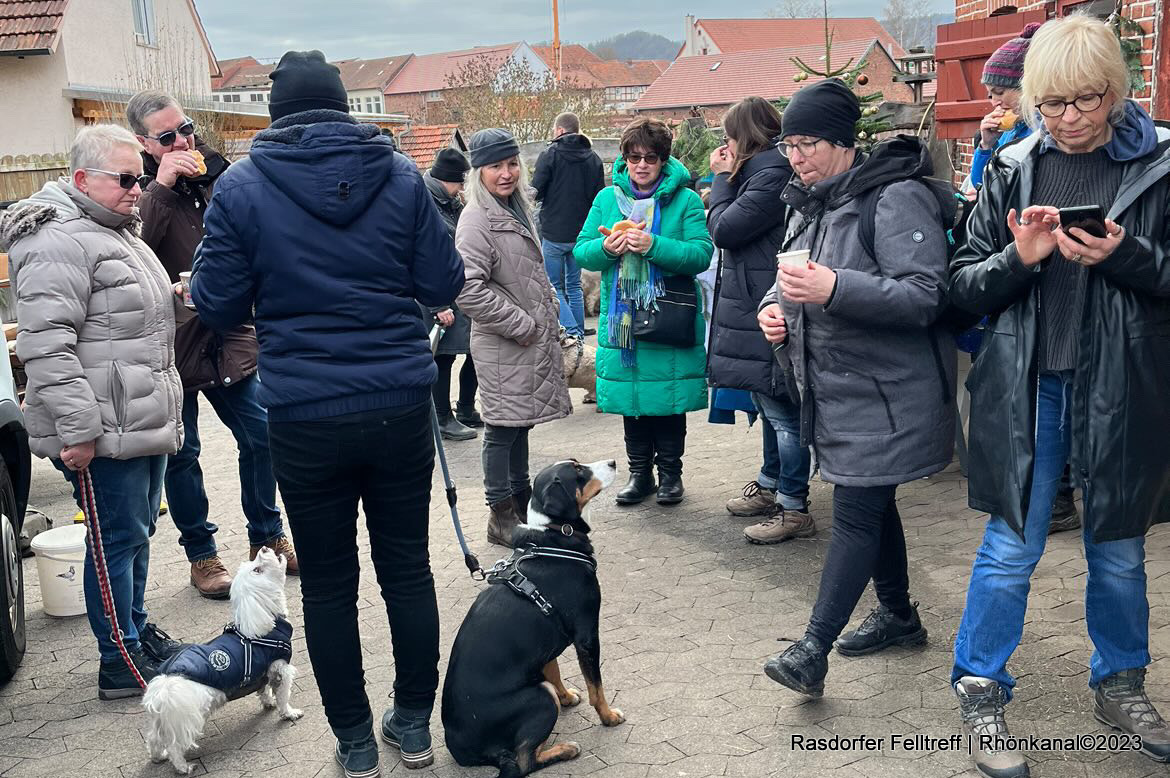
[1075,361]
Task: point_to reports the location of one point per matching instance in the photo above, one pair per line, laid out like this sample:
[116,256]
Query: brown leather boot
[502,521]
[283,548]
[211,578]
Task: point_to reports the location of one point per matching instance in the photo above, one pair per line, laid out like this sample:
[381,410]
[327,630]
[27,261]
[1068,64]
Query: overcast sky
[381,28]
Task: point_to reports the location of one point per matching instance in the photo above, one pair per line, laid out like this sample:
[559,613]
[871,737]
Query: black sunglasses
[634,159]
[125,180]
[168,138]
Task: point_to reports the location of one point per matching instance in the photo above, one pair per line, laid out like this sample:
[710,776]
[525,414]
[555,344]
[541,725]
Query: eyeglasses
[125,180]
[168,138]
[1054,109]
[806,147]
[634,159]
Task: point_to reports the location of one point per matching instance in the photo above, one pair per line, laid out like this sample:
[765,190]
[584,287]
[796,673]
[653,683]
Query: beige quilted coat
[97,329]
[514,323]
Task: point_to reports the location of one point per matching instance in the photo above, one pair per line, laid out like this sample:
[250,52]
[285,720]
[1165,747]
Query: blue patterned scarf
[637,281]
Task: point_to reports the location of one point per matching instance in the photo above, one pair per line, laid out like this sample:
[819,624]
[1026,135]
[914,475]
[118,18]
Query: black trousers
[324,468]
[468,382]
[658,440]
[505,462]
[867,543]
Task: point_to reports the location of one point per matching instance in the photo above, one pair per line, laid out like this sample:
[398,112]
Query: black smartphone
[1089,218]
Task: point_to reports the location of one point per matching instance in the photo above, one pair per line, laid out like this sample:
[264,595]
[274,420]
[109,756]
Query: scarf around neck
[638,283]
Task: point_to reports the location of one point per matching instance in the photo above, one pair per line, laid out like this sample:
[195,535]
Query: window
[256,97]
[231,98]
[144,30]
[434,95]
[215,98]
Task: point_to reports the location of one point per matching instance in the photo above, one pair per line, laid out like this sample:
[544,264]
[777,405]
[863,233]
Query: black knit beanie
[450,165]
[492,145]
[304,81]
[827,109]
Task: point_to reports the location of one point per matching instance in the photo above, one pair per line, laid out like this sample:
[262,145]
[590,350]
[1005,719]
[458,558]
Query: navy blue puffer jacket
[328,237]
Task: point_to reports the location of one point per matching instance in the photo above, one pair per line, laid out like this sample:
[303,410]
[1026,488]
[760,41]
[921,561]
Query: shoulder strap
[867,226]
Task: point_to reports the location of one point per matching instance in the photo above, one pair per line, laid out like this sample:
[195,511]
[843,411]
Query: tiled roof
[246,76]
[722,79]
[31,27]
[429,72]
[649,68]
[734,35]
[571,54]
[422,142]
[229,67]
[370,73]
[585,70]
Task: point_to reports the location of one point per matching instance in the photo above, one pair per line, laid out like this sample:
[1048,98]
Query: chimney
[690,42]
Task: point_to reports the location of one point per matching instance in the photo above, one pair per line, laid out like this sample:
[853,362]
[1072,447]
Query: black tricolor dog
[503,690]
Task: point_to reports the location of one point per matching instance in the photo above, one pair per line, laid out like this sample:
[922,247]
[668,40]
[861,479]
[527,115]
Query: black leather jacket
[1121,390]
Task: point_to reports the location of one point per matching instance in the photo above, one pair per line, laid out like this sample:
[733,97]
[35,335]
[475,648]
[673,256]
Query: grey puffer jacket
[514,323]
[876,375]
[97,328]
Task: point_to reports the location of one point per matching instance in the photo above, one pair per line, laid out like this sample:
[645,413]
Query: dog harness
[232,663]
[507,571]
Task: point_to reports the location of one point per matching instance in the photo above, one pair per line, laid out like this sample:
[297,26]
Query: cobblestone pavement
[690,613]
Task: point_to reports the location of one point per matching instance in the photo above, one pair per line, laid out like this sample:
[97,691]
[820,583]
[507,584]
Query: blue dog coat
[232,663]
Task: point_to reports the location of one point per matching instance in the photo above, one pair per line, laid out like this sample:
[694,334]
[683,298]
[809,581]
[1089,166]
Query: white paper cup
[798,258]
[185,280]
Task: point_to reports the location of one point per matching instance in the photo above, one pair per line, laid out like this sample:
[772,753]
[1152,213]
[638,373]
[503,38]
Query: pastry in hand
[624,224]
[1008,120]
[200,162]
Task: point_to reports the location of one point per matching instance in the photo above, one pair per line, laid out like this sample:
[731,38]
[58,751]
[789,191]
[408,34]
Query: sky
[383,28]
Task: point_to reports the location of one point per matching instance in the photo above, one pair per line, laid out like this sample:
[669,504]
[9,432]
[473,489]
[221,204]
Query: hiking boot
[283,547]
[359,758]
[1064,513]
[981,706]
[502,521]
[783,525]
[640,486]
[158,645]
[467,415]
[211,578]
[520,499]
[802,668]
[1120,701]
[116,682]
[452,429]
[409,731]
[756,501]
[880,629]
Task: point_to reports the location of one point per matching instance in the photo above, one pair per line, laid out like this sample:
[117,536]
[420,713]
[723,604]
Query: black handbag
[673,324]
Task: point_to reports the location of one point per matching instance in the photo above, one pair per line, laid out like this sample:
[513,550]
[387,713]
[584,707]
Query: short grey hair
[92,146]
[144,104]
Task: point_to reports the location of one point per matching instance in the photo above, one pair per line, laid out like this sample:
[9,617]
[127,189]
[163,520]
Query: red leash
[89,508]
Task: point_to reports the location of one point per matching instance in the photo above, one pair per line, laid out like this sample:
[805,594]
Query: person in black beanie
[445,183]
[876,373]
[326,238]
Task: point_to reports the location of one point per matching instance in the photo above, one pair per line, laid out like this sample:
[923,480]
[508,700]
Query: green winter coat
[666,380]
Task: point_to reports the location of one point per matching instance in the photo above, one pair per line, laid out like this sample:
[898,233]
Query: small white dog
[252,655]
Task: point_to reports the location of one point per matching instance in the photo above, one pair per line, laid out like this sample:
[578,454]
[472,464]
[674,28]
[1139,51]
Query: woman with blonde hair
[514,323]
[1072,363]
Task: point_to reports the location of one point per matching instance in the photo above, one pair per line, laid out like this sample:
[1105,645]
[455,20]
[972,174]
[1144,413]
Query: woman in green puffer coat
[650,384]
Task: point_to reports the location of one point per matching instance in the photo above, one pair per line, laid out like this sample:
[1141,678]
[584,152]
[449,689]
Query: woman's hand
[771,321]
[989,130]
[446,317]
[79,456]
[638,241]
[1090,250]
[1035,241]
[813,283]
[721,160]
[615,243]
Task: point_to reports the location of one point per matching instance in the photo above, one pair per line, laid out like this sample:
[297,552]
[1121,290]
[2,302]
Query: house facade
[64,64]
[621,82]
[730,36]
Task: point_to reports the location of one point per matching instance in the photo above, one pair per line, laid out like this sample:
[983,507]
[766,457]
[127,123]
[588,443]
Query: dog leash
[469,558]
[97,551]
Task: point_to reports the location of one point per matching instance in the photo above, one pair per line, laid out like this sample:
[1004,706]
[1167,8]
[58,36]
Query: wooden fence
[22,175]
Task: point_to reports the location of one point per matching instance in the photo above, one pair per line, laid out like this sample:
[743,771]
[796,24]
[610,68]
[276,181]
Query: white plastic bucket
[60,556]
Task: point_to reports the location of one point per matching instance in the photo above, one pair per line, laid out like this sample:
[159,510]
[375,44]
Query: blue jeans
[127,492]
[791,484]
[565,275]
[238,408]
[1116,610]
[770,469]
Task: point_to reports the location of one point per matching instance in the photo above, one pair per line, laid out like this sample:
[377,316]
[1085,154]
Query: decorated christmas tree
[851,74]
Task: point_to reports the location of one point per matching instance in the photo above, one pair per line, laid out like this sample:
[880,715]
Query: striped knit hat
[1006,66]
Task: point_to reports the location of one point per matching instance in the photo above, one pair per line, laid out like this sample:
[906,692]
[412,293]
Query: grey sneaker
[410,732]
[1120,701]
[1064,513]
[756,501]
[783,525]
[981,706]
